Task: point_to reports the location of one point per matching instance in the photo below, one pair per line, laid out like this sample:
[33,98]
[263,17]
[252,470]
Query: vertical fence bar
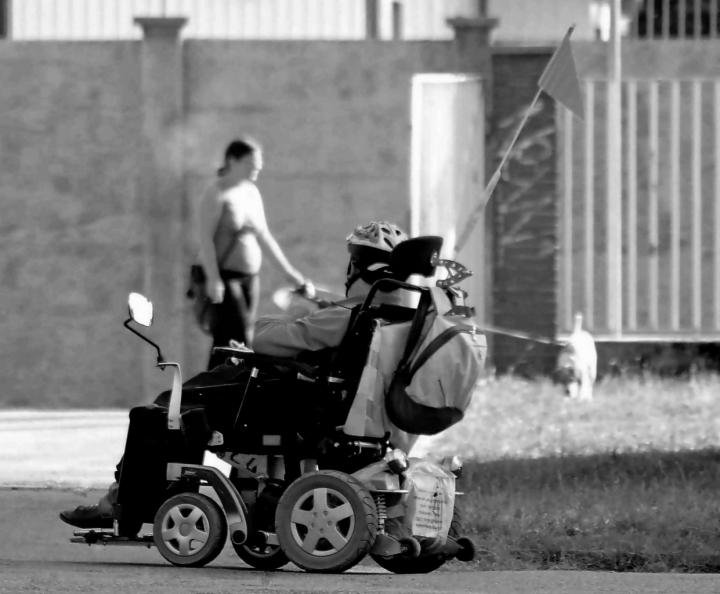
[716,230]
[713,18]
[5,16]
[372,19]
[397,20]
[697,205]
[632,203]
[568,226]
[589,203]
[614,176]
[697,21]
[675,204]
[666,19]
[650,20]
[653,179]
[634,22]
[682,18]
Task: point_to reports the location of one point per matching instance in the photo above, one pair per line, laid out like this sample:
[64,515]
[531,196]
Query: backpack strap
[421,324]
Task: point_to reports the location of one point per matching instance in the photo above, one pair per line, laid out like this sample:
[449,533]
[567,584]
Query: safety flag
[560,79]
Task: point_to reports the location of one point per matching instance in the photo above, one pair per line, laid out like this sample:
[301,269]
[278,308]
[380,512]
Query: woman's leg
[251,294]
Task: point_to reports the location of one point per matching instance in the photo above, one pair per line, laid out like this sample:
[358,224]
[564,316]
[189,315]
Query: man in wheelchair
[291,405]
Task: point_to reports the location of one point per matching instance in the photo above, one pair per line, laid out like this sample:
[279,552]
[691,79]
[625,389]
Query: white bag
[430,500]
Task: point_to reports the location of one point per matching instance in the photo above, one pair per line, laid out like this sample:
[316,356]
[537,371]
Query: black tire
[467,552]
[262,557]
[200,517]
[424,563]
[351,530]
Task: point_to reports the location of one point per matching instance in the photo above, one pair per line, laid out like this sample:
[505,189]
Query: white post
[614,176]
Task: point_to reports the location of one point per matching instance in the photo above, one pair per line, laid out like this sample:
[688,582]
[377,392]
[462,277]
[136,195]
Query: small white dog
[577,363]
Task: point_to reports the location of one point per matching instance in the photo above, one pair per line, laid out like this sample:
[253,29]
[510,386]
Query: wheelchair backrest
[412,256]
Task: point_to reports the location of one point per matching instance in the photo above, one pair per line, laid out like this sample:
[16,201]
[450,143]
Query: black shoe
[88,516]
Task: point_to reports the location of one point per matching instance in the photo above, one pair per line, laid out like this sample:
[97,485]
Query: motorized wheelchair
[301,489]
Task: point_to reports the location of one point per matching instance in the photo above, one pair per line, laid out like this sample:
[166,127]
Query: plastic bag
[430,499]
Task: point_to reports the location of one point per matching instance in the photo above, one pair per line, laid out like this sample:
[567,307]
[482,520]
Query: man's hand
[295,278]
[306,289]
[215,290]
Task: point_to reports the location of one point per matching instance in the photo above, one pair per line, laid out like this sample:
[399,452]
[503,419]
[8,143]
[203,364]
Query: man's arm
[281,336]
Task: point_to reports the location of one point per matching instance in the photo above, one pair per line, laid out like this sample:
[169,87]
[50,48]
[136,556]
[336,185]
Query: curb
[67,488]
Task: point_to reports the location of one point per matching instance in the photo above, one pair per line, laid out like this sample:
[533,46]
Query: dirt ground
[36,557]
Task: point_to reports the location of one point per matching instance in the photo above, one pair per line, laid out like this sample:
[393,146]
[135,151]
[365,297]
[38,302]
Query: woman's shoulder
[245,195]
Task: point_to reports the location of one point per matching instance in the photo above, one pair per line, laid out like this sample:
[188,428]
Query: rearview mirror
[141,310]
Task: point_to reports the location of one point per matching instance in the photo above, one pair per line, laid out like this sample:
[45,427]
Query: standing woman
[231,230]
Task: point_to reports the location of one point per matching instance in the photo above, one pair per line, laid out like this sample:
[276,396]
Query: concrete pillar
[472,50]
[160,185]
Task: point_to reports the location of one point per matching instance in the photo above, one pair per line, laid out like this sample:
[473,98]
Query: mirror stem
[150,342]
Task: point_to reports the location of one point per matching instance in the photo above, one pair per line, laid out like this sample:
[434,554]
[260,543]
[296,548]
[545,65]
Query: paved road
[36,557]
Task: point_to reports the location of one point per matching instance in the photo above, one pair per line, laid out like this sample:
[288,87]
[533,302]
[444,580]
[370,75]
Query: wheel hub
[185,529]
[322,522]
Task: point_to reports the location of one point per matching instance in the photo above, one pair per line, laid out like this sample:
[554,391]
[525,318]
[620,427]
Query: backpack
[434,382]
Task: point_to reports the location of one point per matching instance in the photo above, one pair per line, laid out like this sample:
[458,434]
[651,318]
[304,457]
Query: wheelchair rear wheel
[326,522]
[190,530]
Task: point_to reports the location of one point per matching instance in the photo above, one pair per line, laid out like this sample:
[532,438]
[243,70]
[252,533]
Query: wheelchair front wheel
[190,530]
[326,522]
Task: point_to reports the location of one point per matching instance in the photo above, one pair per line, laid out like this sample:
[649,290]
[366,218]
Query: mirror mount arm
[160,358]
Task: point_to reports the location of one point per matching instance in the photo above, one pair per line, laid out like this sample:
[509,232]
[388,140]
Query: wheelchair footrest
[103,536]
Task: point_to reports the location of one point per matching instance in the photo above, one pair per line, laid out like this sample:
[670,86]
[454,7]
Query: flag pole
[477,211]
[614,175]
[549,83]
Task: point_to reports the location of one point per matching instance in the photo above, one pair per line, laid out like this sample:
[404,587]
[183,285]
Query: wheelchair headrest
[413,256]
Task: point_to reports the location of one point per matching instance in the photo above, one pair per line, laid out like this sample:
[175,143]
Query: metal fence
[668,19]
[669,272]
[240,19]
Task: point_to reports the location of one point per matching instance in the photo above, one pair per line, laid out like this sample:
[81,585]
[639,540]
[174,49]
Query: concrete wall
[100,174]
[70,236]
[540,21]
[652,59]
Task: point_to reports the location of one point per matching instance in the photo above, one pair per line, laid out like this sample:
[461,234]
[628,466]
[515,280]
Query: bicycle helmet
[374,242]
[370,248]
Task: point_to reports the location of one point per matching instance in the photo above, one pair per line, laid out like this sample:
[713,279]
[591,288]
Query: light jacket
[284,336]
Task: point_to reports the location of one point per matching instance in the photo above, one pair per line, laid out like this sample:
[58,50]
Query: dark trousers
[235,316]
[193,398]
[295,401]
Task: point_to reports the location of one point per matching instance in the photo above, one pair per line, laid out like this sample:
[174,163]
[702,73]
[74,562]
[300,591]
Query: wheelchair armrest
[263,362]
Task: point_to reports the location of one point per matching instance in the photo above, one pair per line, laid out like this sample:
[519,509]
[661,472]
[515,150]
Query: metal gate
[669,224]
